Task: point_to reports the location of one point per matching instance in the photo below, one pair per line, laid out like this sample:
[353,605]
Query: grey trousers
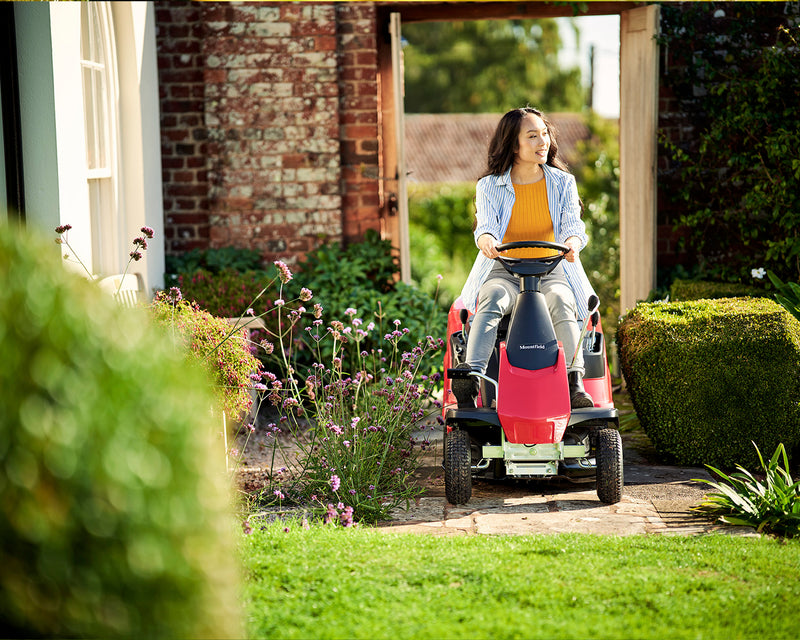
[496,299]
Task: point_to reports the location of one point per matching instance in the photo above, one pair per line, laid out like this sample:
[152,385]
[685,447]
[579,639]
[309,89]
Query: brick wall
[269,124]
[183,134]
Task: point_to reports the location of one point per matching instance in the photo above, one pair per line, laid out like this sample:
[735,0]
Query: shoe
[578,398]
[465,389]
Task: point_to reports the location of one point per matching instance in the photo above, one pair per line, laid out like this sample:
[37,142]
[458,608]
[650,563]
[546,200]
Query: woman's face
[533,142]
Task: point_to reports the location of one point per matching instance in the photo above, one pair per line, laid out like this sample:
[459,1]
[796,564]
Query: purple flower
[335,482]
[135,255]
[247,528]
[147,231]
[63,228]
[279,495]
[347,517]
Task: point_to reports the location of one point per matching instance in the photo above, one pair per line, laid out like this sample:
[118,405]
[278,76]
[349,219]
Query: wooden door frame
[638,124]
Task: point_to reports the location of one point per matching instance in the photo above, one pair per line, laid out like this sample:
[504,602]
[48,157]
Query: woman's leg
[564,313]
[495,299]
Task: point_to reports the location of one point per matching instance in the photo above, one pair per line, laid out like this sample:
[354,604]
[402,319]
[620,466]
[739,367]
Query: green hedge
[682,290]
[114,508]
[707,378]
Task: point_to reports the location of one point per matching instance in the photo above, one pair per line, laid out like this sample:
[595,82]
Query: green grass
[338,583]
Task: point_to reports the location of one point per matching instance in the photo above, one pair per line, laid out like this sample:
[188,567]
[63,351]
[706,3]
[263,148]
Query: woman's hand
[487,243]
[574,244]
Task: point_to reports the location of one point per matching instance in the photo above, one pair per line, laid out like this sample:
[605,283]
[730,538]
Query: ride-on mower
[521,424]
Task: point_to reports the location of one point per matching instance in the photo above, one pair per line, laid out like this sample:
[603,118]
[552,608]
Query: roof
[452,147]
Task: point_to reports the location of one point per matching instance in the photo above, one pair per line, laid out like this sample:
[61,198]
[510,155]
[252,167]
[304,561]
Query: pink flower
[147,231]
[283,271]
[335,482]
[305,294]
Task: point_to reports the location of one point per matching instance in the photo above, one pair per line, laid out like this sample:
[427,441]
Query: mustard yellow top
[530,220]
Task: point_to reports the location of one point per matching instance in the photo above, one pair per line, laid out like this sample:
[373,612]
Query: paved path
[656,500]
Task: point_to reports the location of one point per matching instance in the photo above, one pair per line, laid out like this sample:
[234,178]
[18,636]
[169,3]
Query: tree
[487,66]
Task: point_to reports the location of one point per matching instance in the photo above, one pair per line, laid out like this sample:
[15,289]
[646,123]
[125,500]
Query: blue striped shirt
[494,199]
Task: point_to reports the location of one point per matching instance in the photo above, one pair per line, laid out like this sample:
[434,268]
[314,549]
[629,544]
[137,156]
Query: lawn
[362,583]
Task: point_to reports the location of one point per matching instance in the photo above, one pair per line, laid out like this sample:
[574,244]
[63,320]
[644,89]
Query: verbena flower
[335,483]
[283,271]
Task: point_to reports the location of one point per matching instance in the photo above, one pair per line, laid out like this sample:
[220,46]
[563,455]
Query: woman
[527,194]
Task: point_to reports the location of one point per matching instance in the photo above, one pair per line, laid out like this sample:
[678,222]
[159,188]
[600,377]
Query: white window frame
[101,122]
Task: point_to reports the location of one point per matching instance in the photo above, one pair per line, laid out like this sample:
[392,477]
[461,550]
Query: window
[97,66]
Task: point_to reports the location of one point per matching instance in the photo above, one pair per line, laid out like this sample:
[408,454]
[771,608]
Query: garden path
[656,500]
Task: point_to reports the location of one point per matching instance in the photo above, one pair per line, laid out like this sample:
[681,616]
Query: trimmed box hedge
[682,290]
[708,378]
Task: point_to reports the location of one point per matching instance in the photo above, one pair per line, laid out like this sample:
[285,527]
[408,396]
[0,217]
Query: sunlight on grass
[334,583]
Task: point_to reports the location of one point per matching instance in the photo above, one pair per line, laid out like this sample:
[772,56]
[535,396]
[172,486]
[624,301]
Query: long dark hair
[505,142]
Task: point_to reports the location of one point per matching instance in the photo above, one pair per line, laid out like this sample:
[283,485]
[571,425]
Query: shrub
[682,290]
[360,276]
[114,515]
[708,377]
[222,351]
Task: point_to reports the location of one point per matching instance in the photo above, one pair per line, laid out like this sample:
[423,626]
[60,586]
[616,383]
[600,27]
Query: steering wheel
[532,266]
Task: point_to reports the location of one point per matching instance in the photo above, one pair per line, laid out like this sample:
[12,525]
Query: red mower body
[533,406]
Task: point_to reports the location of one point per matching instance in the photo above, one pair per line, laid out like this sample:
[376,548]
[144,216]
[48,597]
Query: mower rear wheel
[457,467]
[609,466]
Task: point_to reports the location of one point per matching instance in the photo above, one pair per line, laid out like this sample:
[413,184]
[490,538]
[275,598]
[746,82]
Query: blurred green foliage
[114,515]
[484,66]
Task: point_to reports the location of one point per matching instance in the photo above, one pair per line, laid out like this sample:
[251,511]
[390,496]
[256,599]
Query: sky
[603,32]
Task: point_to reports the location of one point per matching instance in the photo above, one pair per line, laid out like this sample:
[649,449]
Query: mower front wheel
[457,467]
[609,466]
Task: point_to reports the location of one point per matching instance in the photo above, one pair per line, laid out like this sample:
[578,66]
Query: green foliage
[220,349]
[114,512]
[705,290]
[303,583]
[440,229]
[361,275]
[771,506]
[739,176]
[788,295]
[709,377]
[213,261]
[485,66]
[596,169]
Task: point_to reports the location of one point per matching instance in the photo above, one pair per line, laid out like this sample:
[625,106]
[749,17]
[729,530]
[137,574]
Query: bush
[360,276]
[707,378]
[682,290]
[114,517]
[222,351]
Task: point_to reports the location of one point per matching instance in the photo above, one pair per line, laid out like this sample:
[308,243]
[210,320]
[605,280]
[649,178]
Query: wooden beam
[450,11]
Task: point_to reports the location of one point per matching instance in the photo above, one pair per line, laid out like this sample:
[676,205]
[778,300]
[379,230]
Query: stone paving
[656,500]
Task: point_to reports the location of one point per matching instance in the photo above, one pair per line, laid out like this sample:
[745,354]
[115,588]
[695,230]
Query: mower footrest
[473,414]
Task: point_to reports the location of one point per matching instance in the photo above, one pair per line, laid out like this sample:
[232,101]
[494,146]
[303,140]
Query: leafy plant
[788,295]
[771,505]
[737,177]
[213,261]
[353,425]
